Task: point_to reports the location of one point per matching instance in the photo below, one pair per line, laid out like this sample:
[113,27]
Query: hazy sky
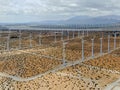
[38,10]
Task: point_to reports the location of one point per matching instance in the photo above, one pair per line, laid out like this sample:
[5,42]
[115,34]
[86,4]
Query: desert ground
[42,67]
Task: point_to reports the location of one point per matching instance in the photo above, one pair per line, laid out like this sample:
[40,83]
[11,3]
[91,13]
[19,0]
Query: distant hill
[84,19]
[87,20]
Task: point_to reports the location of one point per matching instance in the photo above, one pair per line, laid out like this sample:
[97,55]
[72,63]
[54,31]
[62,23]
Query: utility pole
[82,49]
[40,40]
[19,39]
[92,48]
[114,40]
[101,45]
[8,40]
[108,43]
[63,53]
[62,36]
[30,39]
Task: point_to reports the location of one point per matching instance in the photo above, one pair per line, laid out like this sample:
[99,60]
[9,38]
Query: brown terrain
[92,74]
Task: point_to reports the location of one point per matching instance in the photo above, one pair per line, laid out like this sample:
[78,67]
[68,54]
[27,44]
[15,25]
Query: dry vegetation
[111,61]
[26,65]
[90,75]
[78,77]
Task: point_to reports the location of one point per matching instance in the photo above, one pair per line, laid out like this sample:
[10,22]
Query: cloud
[58,8]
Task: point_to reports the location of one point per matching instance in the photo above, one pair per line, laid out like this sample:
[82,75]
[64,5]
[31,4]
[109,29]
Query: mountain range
[109,19]
[82,20]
